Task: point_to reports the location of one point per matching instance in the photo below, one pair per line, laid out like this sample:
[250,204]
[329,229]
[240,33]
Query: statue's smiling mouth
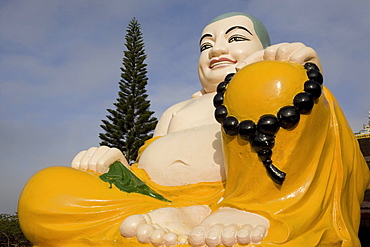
[221,62]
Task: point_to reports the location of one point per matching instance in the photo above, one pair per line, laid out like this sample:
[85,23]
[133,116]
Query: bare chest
[198,112]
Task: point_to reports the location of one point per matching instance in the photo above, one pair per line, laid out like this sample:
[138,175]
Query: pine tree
[131,123]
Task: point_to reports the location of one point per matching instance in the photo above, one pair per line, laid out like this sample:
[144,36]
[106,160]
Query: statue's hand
[98,159]
[292,52]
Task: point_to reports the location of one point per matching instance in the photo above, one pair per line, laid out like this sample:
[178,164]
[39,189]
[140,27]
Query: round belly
[185,157]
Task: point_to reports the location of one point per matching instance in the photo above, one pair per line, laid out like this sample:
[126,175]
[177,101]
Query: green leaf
[126,181]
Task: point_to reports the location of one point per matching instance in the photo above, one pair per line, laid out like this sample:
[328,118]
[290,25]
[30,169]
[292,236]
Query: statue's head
[226,41]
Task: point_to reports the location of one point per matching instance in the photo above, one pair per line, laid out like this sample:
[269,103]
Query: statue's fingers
[270,52]
[213,235]
[254,57]
[109,157]
[283,53]
[228,235]
[304,55]
[92,165]
[76,162]
[84,165]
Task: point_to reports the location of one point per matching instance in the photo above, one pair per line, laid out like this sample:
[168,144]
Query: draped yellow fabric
[62,206]
[317,205]
[326,175]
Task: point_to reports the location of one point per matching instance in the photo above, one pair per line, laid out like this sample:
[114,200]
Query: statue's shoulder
[177,107]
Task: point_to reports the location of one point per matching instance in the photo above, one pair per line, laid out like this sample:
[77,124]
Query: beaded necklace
[262,135]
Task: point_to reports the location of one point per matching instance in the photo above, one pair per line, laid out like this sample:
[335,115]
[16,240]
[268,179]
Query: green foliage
[131,123]
[10,231]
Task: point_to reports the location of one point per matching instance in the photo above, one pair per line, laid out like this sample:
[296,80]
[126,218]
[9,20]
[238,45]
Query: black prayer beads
[262,135]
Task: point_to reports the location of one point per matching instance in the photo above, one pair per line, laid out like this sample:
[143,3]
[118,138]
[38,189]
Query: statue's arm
[98,159]
[293,52]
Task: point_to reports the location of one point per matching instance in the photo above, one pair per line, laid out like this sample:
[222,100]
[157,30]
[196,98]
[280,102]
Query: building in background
[363,137]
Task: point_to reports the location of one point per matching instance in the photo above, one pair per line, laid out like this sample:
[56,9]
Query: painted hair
[260,29]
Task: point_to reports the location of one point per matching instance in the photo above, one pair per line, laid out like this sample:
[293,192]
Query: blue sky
[60,60]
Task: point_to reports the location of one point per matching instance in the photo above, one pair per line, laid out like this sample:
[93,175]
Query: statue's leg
[64,206]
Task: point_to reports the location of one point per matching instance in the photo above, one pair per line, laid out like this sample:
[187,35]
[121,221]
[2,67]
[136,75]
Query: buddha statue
[215,174]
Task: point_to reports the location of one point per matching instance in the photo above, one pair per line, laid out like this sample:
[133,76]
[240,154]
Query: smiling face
[223,45]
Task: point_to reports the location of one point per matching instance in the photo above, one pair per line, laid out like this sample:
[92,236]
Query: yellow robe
[326,175]
[62,206]
[317,205]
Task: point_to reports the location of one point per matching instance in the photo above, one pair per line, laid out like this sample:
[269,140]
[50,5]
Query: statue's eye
[205,46]
[237,38]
